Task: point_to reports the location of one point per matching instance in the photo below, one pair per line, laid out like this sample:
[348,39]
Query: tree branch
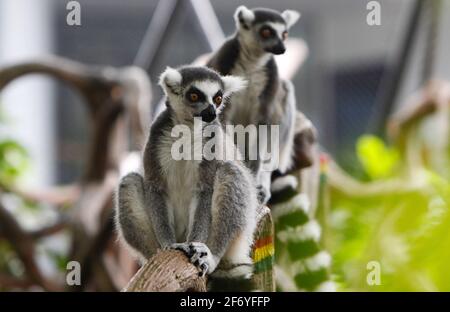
[10,282]
[49,230]
[23,244]
[168,270]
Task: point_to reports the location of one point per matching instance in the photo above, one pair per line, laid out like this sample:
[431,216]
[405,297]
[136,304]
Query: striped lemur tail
[232,279]
[301,262]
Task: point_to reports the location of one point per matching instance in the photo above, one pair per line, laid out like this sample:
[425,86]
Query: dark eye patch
[218,98]
[200,94]
[266,32]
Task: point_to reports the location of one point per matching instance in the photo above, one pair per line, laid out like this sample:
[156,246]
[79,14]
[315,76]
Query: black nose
[279,49]
[208,114]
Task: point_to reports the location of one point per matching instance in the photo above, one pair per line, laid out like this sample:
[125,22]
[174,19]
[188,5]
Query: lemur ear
[291,17]
[170,80]
[233,84]
[244,16]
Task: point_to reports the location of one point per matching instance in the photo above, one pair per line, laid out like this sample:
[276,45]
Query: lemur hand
[199,255]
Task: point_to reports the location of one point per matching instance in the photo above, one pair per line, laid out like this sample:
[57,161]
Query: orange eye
[218,100]
[193,97]
[285,35]
[266,33]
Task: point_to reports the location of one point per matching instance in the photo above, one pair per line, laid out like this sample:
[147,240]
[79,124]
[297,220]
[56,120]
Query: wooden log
[168,270]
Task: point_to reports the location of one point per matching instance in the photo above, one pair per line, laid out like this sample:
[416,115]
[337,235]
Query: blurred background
[353,81]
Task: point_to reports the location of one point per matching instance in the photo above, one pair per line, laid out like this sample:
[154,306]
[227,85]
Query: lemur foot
[199,255]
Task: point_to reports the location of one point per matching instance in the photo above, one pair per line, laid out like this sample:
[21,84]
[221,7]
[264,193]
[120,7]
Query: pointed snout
[208,114]
[279,48]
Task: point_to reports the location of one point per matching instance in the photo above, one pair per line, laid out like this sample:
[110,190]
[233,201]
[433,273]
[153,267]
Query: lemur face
[198,91]
[265,28]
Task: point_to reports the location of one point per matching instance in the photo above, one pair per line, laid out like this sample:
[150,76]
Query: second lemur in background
[267,100]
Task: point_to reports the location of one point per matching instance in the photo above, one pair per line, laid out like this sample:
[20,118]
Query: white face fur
[275,32]
[290,16]
[209,90]
[192,99]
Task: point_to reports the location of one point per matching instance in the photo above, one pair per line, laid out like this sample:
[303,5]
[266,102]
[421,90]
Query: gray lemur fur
[206,208]
[268,100]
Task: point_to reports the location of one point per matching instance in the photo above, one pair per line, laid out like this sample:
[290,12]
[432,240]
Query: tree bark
[168,270]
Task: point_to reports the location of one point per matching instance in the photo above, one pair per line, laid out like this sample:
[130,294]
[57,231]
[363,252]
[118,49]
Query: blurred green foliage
[406,232]
[14,158]
[378,160]
[13,161]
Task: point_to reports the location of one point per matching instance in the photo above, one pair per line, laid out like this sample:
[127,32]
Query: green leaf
[13,161]
[378,160]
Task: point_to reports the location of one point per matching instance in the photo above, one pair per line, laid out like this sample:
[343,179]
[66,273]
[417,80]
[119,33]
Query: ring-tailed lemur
[206,208]
[268,100]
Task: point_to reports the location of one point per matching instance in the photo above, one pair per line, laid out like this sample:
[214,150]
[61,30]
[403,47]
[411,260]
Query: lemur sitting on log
[202,206]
